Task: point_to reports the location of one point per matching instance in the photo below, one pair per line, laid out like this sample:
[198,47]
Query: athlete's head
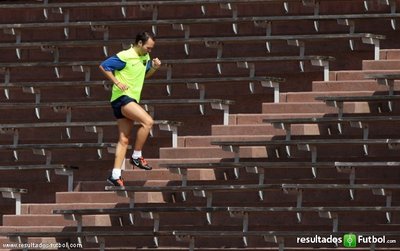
[144,42]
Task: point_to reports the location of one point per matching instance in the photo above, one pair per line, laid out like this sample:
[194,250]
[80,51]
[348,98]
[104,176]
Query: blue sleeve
[113,63]
[148,66]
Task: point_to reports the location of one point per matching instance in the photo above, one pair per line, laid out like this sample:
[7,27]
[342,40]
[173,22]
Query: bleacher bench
[184,25]
[385,79]
[236,212]
[262,167]
[357,122]
[322,61]
[248,63]
[296,40]
[277,237]
[13,193]
[376,189]
[90,236]
[59,169]
[323,212]
[351,166]
[259,167]
[225,4]
[123,4]
[95,127]
[302,144]
[205,191]
[66,107]
[337,101]
[191,83]
[218,42]
[186,236]
[46,149]
[147,212]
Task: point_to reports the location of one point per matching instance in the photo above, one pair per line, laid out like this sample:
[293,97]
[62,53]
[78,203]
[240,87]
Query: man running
[127,70]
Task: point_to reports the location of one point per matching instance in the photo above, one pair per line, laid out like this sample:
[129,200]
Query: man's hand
[122,86]
[156,63]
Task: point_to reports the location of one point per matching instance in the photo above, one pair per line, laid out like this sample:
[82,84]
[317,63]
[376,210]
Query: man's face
[146,47]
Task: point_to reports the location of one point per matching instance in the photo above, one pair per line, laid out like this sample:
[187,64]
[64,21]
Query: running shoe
[141,163]
[116,182]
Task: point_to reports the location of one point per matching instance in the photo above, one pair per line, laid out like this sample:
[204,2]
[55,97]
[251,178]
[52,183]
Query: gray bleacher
[46,149]
[385,79]
[218,42]
[191,83]
[95,127]
[155,213]
[179,24]
[218,104]
[62,8]
[59,169]
[310,145]
[277,237]
[338,101]
[14,193]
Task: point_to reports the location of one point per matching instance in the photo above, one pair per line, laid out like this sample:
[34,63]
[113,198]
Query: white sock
[116,173]
[136,154]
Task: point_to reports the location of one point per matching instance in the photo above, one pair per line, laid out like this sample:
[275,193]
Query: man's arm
[153,67]
[109,66]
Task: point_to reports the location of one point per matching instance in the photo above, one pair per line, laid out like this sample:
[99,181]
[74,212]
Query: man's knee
[148,123]
[123,140]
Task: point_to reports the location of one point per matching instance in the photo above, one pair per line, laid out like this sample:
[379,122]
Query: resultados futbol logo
[350,241]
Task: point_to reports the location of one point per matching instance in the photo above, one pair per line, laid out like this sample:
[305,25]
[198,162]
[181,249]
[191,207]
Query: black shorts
[119,103]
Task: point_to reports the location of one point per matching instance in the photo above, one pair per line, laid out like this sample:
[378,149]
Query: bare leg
[135,112]
[125,127]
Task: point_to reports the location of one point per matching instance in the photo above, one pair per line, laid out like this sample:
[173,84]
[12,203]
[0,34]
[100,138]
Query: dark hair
[144,36]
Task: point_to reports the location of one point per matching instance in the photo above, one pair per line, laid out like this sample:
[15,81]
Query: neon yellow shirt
[132,74]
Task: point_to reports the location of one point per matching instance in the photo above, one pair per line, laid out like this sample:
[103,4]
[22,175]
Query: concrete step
[106,197]
[94,185]
[299,107]
[157,162]
[346,75]
[349,108]
[389,54]
[154,174]
[161,175]
[357,74]
[310,96]
[141,178]
[42,208]
[263,130]
[350,85]
[204,141]
[244,119]
[248,130]
[392,64]
[387,129]
[219,199]
[210,152]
